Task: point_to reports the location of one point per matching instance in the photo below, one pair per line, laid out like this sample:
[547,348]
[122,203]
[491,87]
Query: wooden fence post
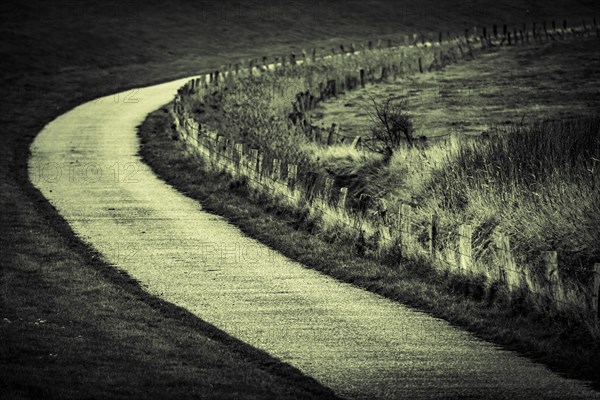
[291,176]
[276,172]
[501,256]
[364,202]
[465,249]
[253,163]
[420,66]
[595,289]
[333,132]
[227,154]
[317,136]
[506,263]
[327,188]
[238,149]
[209,144]
[218,144]
[550,260]
[342,199]
[259,166]
[405,228]
[362,78]
[433,235]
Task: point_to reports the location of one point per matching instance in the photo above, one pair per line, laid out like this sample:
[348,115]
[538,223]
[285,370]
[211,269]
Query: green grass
[564,344]
[56,55]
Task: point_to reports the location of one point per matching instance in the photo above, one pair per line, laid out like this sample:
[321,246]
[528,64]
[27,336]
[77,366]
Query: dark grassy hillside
[54,36]
[55,55]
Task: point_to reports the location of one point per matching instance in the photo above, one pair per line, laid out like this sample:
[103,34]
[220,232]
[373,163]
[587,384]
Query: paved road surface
[359,344]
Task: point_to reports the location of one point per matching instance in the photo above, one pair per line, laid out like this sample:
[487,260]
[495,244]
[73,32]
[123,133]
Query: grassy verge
[562,344]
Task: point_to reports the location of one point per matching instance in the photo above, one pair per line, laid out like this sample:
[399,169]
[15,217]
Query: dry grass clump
[540,185]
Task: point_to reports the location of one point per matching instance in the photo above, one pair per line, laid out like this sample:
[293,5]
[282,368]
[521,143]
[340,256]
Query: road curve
[359,344]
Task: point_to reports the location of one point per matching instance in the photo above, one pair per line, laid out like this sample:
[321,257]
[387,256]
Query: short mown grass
[562,343]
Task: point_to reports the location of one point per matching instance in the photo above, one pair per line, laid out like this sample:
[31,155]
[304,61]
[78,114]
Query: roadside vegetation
[536,183]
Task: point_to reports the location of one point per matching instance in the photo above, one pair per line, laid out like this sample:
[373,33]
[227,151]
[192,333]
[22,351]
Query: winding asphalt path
[359,344]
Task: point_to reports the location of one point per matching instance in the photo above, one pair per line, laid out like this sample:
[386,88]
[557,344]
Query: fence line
[270,176]
[460,260]
[436,51]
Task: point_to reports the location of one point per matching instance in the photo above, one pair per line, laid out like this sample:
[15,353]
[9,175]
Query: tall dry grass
[538,184]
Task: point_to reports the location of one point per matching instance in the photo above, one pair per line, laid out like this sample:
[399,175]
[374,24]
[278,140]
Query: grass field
[64,311]
[507,85]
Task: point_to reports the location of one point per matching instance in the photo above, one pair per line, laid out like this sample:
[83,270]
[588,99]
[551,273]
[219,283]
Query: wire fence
[370,218]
